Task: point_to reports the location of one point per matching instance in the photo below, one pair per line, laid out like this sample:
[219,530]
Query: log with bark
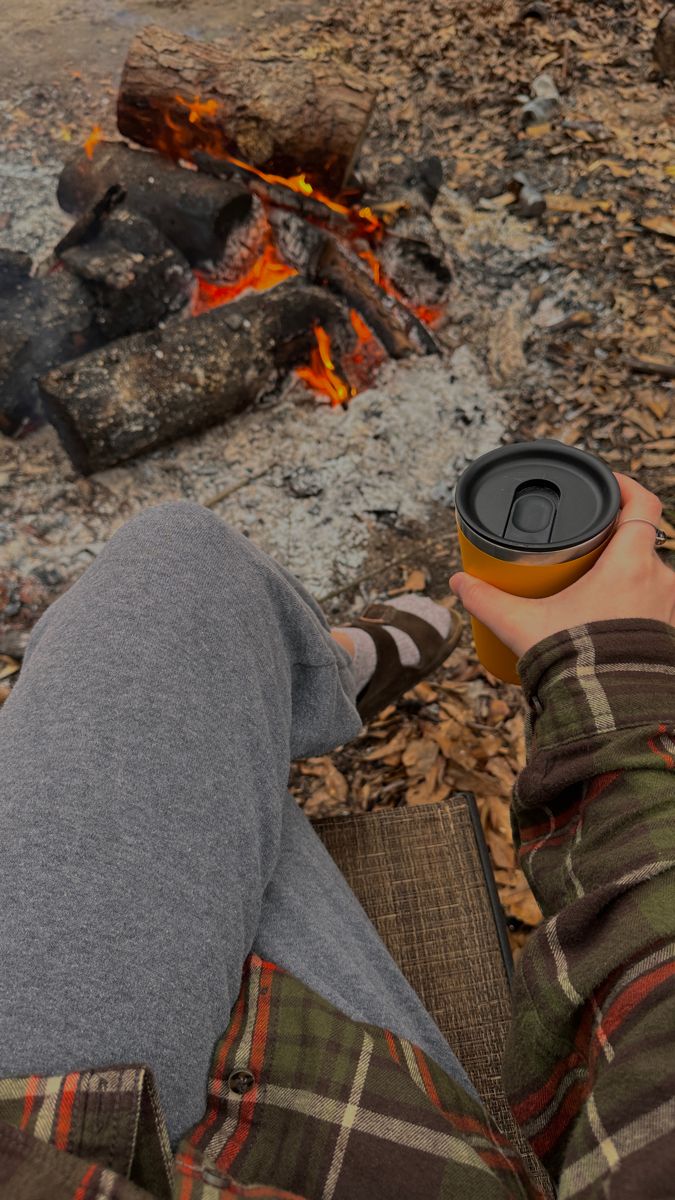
[196,213]
[135,276]
[282,113]
[131,396]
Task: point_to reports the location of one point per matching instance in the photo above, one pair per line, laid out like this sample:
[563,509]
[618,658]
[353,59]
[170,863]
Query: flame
[197,109]
[266,272]
[359,326]
[424,312]
[92,141]
[321,373]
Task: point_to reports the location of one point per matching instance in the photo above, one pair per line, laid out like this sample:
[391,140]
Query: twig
[235,488]
[650,366]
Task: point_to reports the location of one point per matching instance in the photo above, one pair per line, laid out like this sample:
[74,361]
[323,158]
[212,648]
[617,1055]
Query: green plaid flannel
[304,1103]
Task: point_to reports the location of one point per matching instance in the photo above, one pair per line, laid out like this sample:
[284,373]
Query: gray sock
[365,657]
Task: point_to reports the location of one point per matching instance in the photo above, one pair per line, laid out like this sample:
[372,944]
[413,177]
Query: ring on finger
[661,535]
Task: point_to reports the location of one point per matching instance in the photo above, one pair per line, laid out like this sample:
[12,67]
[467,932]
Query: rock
[544,103]
[543,87]
[530,201]
[664,44]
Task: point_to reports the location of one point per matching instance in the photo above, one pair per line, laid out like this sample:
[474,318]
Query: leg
[145,758]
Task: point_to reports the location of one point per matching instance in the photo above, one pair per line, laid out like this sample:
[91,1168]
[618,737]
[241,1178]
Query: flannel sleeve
[590,1061]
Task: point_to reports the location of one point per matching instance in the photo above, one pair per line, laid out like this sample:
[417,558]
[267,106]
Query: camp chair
[423,876]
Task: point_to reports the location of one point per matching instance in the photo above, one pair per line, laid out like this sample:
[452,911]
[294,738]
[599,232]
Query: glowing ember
[92,141]
[321,373]
[428,314]
[374,264]
[201,129]
[266,272]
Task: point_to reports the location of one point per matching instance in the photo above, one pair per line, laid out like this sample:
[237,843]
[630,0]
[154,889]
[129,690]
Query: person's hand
[628,580]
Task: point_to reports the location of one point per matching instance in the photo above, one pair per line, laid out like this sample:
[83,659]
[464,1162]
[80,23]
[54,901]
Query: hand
[628,580]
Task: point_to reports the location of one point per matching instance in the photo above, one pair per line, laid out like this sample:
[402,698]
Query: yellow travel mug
[532,518]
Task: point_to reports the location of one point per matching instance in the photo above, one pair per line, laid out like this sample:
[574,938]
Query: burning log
[397,328]
[277,195]
[280,113]
[129,397]
[136,277]
[196,213]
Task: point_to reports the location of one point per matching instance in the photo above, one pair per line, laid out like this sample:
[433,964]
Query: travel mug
[532,518]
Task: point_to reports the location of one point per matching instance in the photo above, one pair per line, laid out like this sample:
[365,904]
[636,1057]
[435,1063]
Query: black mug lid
[537,496]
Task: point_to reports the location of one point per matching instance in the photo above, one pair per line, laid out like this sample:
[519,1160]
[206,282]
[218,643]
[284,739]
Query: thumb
[496,609]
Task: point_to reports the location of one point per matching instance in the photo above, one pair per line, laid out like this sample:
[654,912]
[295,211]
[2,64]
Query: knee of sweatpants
[184,532]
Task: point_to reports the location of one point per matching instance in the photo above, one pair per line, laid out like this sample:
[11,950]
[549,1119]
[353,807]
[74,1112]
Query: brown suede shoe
[391,679]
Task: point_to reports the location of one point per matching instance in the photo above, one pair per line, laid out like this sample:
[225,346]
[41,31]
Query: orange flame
[424,312]
[266,272]
[197,109]
[321,373]
[92,141]
[359,326]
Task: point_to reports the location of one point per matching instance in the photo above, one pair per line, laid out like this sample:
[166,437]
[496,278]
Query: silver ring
[661,535]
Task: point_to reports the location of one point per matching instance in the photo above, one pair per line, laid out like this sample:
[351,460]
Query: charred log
[136,277]
[141,391]
[43,321]
[283,114]
[196,213]
[399,330]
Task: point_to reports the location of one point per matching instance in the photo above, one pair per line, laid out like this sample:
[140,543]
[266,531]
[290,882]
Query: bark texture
[283,114]
[141,391]
[196,213]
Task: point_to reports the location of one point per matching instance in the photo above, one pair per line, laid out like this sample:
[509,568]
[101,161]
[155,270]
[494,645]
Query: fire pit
[235,247]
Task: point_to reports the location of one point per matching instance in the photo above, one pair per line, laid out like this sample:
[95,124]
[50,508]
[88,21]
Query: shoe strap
[426,638]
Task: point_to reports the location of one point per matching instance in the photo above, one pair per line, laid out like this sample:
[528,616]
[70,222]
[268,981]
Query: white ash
[329,479]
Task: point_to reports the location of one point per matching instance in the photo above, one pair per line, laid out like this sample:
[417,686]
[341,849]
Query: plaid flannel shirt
[304,1103]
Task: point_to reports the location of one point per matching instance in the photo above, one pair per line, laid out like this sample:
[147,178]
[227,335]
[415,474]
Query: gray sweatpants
[147,838]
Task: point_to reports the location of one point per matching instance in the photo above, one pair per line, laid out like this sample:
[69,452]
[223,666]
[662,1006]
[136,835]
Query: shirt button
[241,1082]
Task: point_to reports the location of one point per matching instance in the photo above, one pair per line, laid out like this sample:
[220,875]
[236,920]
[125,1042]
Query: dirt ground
[558,220]
[48,40]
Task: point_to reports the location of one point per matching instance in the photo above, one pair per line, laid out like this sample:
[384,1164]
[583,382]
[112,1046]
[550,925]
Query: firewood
[282,113]
[136,277]
[274,195]
[138,392]
[398,329]
[196,213]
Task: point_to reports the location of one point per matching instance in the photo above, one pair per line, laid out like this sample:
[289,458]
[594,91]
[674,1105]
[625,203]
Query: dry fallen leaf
[395,746]
[562,203]
[8,666]
[501,851]
[663,225]
[420,756]
[415,582]
[334,784]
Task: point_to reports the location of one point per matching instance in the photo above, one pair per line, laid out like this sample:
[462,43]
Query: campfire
[223,246]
